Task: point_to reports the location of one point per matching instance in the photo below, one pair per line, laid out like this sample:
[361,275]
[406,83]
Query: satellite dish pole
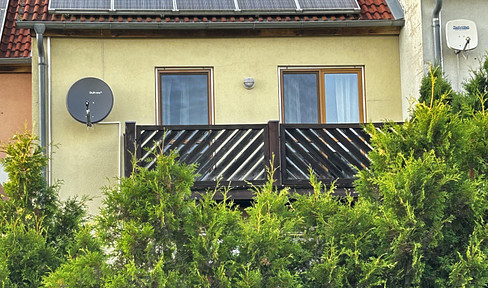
[88,116]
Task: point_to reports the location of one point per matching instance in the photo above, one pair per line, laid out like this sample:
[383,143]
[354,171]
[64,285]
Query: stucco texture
[85,158]
[411,54]
[15,104]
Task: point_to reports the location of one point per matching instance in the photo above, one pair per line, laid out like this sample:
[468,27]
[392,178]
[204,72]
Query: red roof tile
[36,10]
[16,42]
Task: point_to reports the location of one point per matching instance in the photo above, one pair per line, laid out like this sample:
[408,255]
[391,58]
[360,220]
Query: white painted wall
[411,53]
[456,67]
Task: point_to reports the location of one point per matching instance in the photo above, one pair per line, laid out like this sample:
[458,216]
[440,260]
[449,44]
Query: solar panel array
[3,13]
[204,6]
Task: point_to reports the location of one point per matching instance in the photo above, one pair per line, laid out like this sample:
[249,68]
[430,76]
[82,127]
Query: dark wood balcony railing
[238,155]
[333,152]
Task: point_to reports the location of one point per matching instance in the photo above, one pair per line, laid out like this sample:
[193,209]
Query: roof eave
[20,61]
[68,25]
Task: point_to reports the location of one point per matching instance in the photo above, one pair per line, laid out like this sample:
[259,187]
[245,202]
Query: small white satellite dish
[461,35]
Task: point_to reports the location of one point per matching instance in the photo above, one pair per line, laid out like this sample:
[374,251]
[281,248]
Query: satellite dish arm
[88,116]
[468,39]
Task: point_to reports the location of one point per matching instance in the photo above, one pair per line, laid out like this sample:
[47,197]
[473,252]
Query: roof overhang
[15,65]
[68,25]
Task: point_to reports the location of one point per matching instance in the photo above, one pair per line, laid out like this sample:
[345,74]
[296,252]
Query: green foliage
[472,268]
[213,230]
[270,242]
[36,227]
[475,99]
[142,222]
[340,241]
[25,256]
[435,88]
[427,181]
[86,265]
[420,220]
[27,190]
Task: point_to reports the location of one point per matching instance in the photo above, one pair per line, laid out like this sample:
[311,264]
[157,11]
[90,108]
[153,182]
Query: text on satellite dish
[465,27]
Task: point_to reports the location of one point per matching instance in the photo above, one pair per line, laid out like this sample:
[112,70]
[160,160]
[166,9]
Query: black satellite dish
[89,100]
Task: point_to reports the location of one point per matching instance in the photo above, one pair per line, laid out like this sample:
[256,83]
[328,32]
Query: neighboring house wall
[474,10]
[15,108]
[87,157]
[15,104]
[411,54]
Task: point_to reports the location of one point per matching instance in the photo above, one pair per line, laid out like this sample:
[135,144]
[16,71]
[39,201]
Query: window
[185,96]
[325,95]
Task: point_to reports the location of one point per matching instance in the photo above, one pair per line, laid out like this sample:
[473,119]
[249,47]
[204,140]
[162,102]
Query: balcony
[237,155]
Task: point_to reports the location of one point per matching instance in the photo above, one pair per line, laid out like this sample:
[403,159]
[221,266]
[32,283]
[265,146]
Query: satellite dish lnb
[461,35]
[89,100]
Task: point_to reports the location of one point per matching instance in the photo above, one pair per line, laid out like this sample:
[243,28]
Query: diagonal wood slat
[224,153]
[333,152]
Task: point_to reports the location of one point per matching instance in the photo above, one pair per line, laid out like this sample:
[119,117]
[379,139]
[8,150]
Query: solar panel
[80,4]
[143,4]
[328,4]
[267,5]
[205,5]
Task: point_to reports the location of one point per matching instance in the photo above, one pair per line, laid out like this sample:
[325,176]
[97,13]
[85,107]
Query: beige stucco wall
[86,158]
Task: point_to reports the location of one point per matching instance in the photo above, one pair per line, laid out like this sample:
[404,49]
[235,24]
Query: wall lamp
[249,83]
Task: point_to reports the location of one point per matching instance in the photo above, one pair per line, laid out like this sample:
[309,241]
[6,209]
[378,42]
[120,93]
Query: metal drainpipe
[40,29]
[437,34]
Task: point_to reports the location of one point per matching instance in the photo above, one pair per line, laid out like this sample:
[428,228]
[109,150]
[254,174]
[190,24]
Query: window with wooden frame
[322,95]
[185,96]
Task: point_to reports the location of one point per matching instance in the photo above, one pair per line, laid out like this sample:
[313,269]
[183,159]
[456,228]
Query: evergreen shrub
[420,219]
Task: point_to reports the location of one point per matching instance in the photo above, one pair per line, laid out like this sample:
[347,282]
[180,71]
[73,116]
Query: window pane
[300,98]
[341,98]
[185,99]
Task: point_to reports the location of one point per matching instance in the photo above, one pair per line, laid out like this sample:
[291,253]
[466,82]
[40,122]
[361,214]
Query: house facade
[15,75]
[190,66]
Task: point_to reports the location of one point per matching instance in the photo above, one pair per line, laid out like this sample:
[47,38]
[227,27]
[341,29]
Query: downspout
[40,29]
[437,34]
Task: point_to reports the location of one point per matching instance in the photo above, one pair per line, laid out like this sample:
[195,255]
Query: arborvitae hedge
[420,221]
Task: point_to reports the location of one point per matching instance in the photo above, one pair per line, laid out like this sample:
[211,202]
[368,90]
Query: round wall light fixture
[249,83]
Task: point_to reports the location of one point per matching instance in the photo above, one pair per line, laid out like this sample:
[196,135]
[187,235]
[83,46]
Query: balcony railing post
[272,148]
[130,146]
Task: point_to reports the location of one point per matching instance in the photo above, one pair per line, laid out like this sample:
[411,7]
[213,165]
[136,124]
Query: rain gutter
[67,25]
[16,61]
